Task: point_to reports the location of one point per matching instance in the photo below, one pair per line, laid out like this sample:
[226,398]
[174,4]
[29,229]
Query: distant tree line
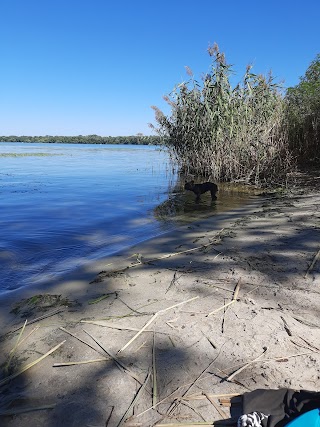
[138,139]
[254,132]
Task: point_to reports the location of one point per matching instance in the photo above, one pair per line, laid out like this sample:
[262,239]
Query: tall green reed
[226,133]
[303,116]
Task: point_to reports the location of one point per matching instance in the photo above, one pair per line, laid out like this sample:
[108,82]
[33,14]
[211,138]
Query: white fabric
[252,420]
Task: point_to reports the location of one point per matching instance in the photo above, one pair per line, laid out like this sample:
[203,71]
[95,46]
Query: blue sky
[71,67]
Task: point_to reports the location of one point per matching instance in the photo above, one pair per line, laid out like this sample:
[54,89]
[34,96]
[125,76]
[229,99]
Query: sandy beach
[168,331]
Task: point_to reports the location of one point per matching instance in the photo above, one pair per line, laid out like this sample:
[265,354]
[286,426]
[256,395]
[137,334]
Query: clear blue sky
[71,67]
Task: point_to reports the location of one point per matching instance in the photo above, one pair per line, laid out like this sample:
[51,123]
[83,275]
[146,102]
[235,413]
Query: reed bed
[225,133]
[303,116]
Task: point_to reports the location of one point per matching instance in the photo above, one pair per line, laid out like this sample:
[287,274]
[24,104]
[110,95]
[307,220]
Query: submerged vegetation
[241,133]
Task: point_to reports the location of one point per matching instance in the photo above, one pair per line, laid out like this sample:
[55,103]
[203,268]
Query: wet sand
[189,308]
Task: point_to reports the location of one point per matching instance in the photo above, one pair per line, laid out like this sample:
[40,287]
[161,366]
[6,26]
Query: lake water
[63,205]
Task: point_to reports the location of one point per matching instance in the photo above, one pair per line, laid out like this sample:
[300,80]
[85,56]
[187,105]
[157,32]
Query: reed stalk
[226,133]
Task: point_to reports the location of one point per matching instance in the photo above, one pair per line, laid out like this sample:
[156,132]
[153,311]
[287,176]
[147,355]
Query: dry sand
[259,263]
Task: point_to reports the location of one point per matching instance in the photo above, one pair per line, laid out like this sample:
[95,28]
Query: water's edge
[76,283]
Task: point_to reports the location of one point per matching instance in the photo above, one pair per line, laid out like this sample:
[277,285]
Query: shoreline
[68,282]
[231,302]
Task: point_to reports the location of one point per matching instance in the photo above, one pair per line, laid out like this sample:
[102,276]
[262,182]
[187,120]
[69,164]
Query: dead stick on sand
[153,319]
[172,282]
[134,400]
[221,308]
[311,346]
[52,313]
[13,350]
[305,321]
[202,396]
[154,373]
[193,409]
[281,358]
[212,285]
[84,362]
[273,359]
[29,365]
[30,333]
[176,403]
[312,264]
[221,413]
[164,256]
[105,323]
[118,363]
[230,377]
[83,342]
[190,397]
[286,326]
[109,417]
[236,291]
[189,385]
[234,299]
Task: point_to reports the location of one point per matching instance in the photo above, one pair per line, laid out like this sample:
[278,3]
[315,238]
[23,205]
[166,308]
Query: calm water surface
[63,205]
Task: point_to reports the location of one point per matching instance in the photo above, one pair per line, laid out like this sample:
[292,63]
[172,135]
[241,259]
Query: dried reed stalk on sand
[312,264]
[134,401]
[221,413]
[118,363]
[230,377]
[141,262]
[11,354]
[153,319]
[29,365]
[234,299]
[83,362]
[45,316]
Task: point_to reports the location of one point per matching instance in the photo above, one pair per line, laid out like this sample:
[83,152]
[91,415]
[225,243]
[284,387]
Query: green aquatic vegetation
[40,303]
[28,154]
[102,297]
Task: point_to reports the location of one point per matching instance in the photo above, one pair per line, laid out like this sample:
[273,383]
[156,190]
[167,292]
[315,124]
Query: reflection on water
[63,205]
[182,207]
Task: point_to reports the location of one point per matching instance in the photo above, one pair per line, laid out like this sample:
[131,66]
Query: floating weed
[29,154]
[40,303]
[102,297]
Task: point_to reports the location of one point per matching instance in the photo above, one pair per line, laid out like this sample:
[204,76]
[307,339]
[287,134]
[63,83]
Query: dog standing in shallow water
[199,189]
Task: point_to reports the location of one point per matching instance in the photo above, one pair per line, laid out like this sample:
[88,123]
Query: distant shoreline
[85,139]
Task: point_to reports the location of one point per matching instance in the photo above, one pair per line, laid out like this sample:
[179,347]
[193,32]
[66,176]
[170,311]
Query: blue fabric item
[308,419]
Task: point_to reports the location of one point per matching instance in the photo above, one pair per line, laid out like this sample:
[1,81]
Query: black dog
[199,189]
